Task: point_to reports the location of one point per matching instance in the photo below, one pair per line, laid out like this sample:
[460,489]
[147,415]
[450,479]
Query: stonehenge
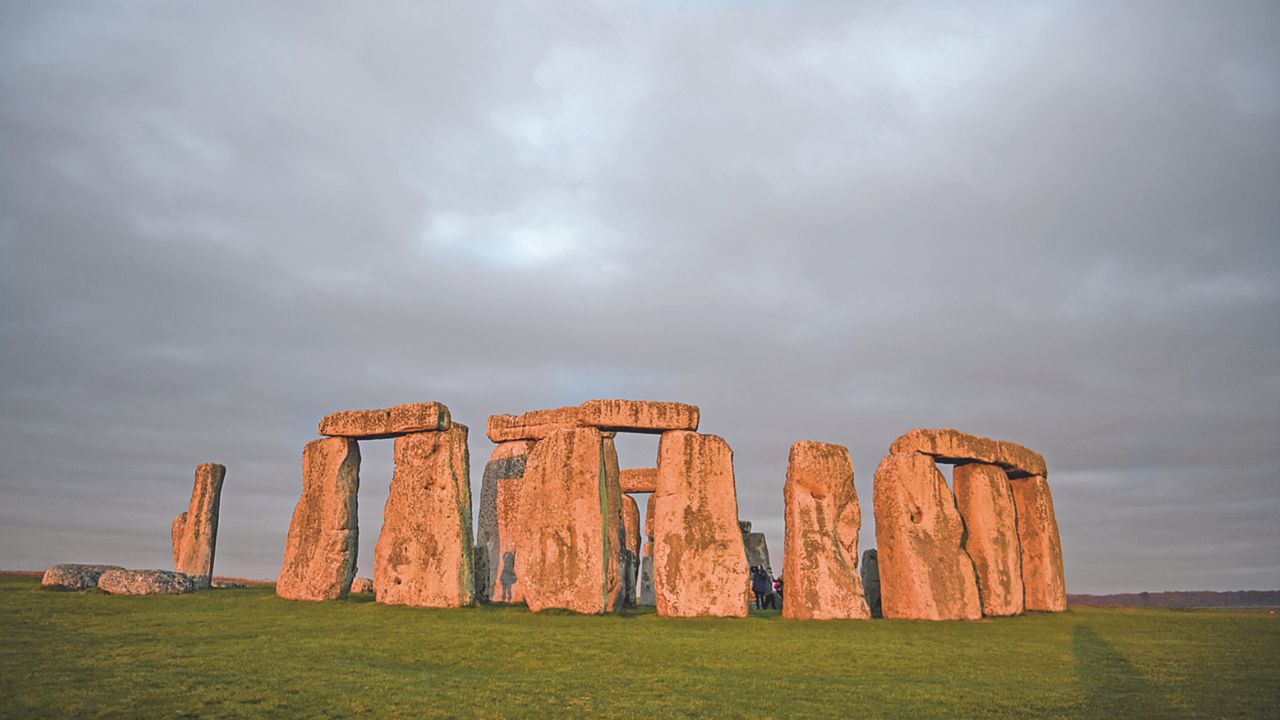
[992,548]
[820,555]
[559,523]
[74,576]
[146,582]
[195,531]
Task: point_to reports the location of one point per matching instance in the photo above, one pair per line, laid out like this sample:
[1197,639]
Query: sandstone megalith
[757,548]
[388,422]
[361,585]
[145,582]
[320,551]
[195,531]
[631,530]
[1044,582]
[924,571]
[699,562]
[952,446]
[985,500]
[639,480]
[647,596]
[871,582]
[499,521]
[570,541]
[608,415]
[74,576]
[424,554]
[820,556]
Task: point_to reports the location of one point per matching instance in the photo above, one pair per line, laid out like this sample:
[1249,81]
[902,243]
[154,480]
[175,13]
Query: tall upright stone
[647,596]
[757,547]
[320,550]
[631,558]
[195,531]
[424,556]
[985,500]
[924,571]
[1043,578]
[870,570]
[820,556]
[499,519]
[570,542]
[699,562]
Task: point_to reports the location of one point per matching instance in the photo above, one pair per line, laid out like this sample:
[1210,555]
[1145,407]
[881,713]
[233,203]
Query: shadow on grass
[1113,686]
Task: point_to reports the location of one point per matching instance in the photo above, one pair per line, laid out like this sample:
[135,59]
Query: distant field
[245,653]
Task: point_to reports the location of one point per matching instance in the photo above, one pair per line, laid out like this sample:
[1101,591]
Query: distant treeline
[1182,599]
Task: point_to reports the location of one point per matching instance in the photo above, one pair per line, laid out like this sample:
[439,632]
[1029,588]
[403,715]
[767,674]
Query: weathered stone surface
[647,596]
[533,425]
[570,539]
[985,501]
[320,551]
[631,557]
[700,565]
[498,521]
[744,526]
[387,422]
[952,446]
[145,582]
[639,480]
[362,585]
[424,556]
[195,532]
[924,571]
[638,415]
[1043,579]
[73,576]
[757,547]
[871,582]
[820,556]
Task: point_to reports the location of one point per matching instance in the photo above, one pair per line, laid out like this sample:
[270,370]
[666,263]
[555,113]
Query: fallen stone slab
[320,550]
[925,573]
[74,576]
[639,480]
[985,500]
[388,422]
[498,522]
[424,555]
[951,446]
[823,519]
[195,531]
[145,582]
[639,415]
[1043,580]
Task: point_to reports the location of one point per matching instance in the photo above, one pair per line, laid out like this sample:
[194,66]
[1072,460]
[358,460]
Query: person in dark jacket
[760,585]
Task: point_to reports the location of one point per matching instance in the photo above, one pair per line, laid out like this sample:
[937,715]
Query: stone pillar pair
[424,555]
[992,548]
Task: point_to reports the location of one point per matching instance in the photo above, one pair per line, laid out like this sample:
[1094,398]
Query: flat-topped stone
[74,576]
[951,446]
[387,422]
[643,416]
[639,480]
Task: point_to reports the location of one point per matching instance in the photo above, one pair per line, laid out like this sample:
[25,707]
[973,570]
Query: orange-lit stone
[320,550]
[639,480]
[195,531]
[1043,579]
[952,446]
[387,422]
[498,522]
[985,501]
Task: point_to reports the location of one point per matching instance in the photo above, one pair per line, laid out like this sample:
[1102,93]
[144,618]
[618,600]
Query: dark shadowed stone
[871,581]
[498,518]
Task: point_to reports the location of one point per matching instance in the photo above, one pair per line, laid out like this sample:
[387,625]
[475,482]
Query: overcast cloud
[1053,223]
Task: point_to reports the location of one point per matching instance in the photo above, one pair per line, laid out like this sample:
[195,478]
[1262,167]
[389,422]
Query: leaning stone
[924,571]
[145,582]
[570,543]
[195,532]
[320,551]
[388,422]
[631,558]
[700,564]
[638,415]
[952,447]
[639,480]
[533,425]
[73,576]
[1043,579]
[362,585]
[820,556]
[985,501]
[871,582]
[424,556]
[498,522]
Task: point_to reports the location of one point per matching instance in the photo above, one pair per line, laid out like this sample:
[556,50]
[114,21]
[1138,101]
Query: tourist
[760,585]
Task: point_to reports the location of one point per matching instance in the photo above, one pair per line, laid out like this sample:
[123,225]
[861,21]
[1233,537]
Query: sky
[1051,223]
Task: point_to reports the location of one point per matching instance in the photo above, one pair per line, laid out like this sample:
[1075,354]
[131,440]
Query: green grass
[245,653]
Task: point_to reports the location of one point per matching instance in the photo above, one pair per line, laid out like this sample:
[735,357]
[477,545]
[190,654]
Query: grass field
[245,653]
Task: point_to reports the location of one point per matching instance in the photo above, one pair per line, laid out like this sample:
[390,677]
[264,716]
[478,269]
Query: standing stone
[361,585]
[924,571]
[424,556]
[871,582]
[195,532]
[700,564]
[320,551]
[1043,578]
[631,530]
[498,522]
[647,596]
[820,556]
[569,545]
[985,500]
[757,547]
[639,480]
